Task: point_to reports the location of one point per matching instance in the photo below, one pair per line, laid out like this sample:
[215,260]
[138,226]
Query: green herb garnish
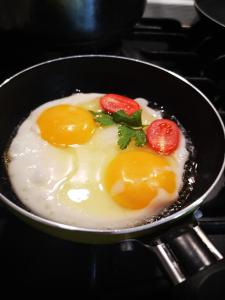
[122,118]
[140,137]
[126,133]
[130,126]
[103,118]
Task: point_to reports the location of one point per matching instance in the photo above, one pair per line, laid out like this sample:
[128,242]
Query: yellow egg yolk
[65,125]
[133,178]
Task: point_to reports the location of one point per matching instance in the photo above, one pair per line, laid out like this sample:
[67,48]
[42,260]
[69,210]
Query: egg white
[66,184]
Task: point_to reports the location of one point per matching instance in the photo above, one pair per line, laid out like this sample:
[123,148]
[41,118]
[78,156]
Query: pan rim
[124,231]
[207,15]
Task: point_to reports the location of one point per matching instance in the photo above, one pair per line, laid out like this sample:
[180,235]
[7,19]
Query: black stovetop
[35,260]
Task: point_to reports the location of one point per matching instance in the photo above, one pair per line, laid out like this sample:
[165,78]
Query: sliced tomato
[163,136]
[113,102]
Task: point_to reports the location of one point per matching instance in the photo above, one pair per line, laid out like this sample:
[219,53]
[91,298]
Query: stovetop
[35,260]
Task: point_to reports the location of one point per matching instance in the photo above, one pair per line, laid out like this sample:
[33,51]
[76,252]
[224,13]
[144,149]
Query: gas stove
[42,262]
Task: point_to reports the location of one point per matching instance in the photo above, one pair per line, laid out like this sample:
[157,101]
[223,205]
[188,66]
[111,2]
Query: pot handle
[191,261]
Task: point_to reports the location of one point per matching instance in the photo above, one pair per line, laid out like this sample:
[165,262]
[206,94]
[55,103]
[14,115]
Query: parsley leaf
[126,129]
[123,118]
[103,118]
[140,137]
[126,133]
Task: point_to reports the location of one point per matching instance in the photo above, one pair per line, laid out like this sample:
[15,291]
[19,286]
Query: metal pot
[212,11]
[77,21]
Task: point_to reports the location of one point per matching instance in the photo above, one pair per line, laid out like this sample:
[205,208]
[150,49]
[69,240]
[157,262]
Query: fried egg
[64,167]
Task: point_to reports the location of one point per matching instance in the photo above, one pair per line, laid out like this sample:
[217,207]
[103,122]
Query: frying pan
[212,11]
[186,254]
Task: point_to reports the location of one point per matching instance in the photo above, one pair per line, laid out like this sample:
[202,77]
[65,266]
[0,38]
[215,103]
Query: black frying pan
[177,240]
[212,10]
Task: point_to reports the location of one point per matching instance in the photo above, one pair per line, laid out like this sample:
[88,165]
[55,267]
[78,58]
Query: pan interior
[98,74]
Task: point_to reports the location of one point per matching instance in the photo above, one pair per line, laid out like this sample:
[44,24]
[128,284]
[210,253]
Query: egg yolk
[65,125]
[133,178]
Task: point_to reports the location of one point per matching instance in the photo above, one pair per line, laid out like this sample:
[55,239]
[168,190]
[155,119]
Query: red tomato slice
[163,136]
[113,102]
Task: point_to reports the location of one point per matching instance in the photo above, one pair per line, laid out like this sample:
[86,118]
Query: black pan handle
[192,262]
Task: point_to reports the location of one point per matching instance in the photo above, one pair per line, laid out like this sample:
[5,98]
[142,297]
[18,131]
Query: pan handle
[191,261]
